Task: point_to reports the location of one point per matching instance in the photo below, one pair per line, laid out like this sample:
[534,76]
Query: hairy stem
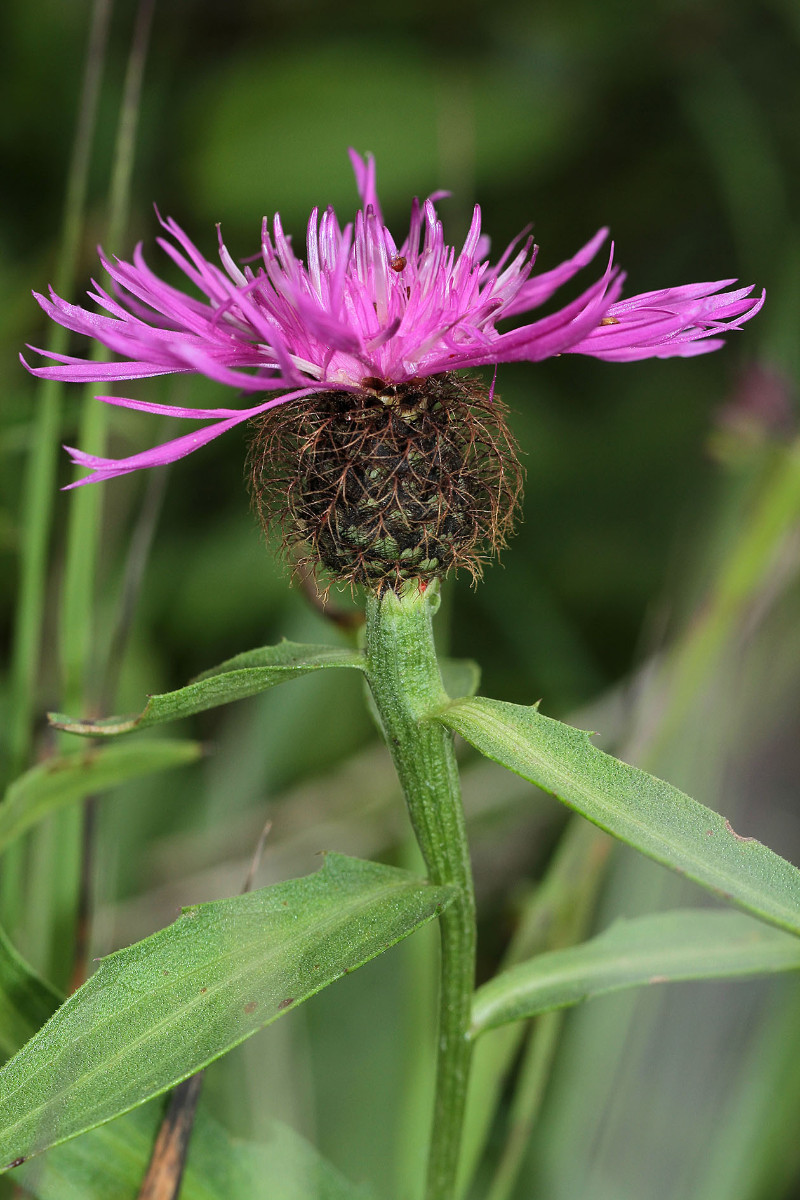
[406,685]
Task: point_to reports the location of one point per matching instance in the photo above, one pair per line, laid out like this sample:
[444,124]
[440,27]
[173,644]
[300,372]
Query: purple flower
[360,313]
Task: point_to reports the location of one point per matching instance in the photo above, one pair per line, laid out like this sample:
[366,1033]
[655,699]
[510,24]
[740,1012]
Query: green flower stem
[407,687]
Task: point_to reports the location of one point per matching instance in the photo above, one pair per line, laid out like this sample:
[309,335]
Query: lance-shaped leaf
[635,807]
[239,677]
[158,1011]
[69,778]
[686,944]
[26,1001]
[109,1163]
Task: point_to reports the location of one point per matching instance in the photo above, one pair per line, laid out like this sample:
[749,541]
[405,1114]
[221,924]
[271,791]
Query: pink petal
[109,468]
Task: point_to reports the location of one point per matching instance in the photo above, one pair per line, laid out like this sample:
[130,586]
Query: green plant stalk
[407,688]
[533,1078]
[40,476]
[575,892]
[557,914]
[80,683]
[39,482]
[85,513]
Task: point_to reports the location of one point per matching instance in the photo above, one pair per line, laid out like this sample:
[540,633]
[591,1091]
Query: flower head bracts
[361,310]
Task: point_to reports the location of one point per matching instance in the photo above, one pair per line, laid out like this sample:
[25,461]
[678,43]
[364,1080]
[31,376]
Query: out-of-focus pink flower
[360,314]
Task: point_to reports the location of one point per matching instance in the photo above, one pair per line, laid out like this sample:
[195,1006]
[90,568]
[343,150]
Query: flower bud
[391,483]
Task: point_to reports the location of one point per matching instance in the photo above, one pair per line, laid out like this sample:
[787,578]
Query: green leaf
[646,812]
[158,1011]
[68,778]
[109,1163]
[26,1001]
[686,944]
[239,677]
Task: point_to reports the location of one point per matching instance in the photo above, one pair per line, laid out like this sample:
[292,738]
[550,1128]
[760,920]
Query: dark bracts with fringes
[391,483]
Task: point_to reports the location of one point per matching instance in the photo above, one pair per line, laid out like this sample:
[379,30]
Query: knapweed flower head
[404,467]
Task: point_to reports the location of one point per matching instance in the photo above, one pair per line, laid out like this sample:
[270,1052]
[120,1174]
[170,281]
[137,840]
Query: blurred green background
[677,125]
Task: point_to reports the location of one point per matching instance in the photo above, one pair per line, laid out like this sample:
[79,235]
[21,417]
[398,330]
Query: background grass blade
[39,489]
[239,677]
[68,778]
[556,914]
[686,944]
[647,813]
[158,1011]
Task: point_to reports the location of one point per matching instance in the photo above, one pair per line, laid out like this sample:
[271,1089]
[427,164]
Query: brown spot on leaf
[251,1006]
[203,990]
[285,1003]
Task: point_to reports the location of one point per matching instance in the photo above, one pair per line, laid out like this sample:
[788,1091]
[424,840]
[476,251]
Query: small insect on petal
[397,263]
[609,321]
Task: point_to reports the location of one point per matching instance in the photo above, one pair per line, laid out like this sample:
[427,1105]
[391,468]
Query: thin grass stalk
[529,1093]
[557,914]
[133,576]
[85,515]
[41,470]
[539,1054]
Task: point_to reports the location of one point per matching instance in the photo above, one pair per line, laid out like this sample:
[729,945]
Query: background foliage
[676,123]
